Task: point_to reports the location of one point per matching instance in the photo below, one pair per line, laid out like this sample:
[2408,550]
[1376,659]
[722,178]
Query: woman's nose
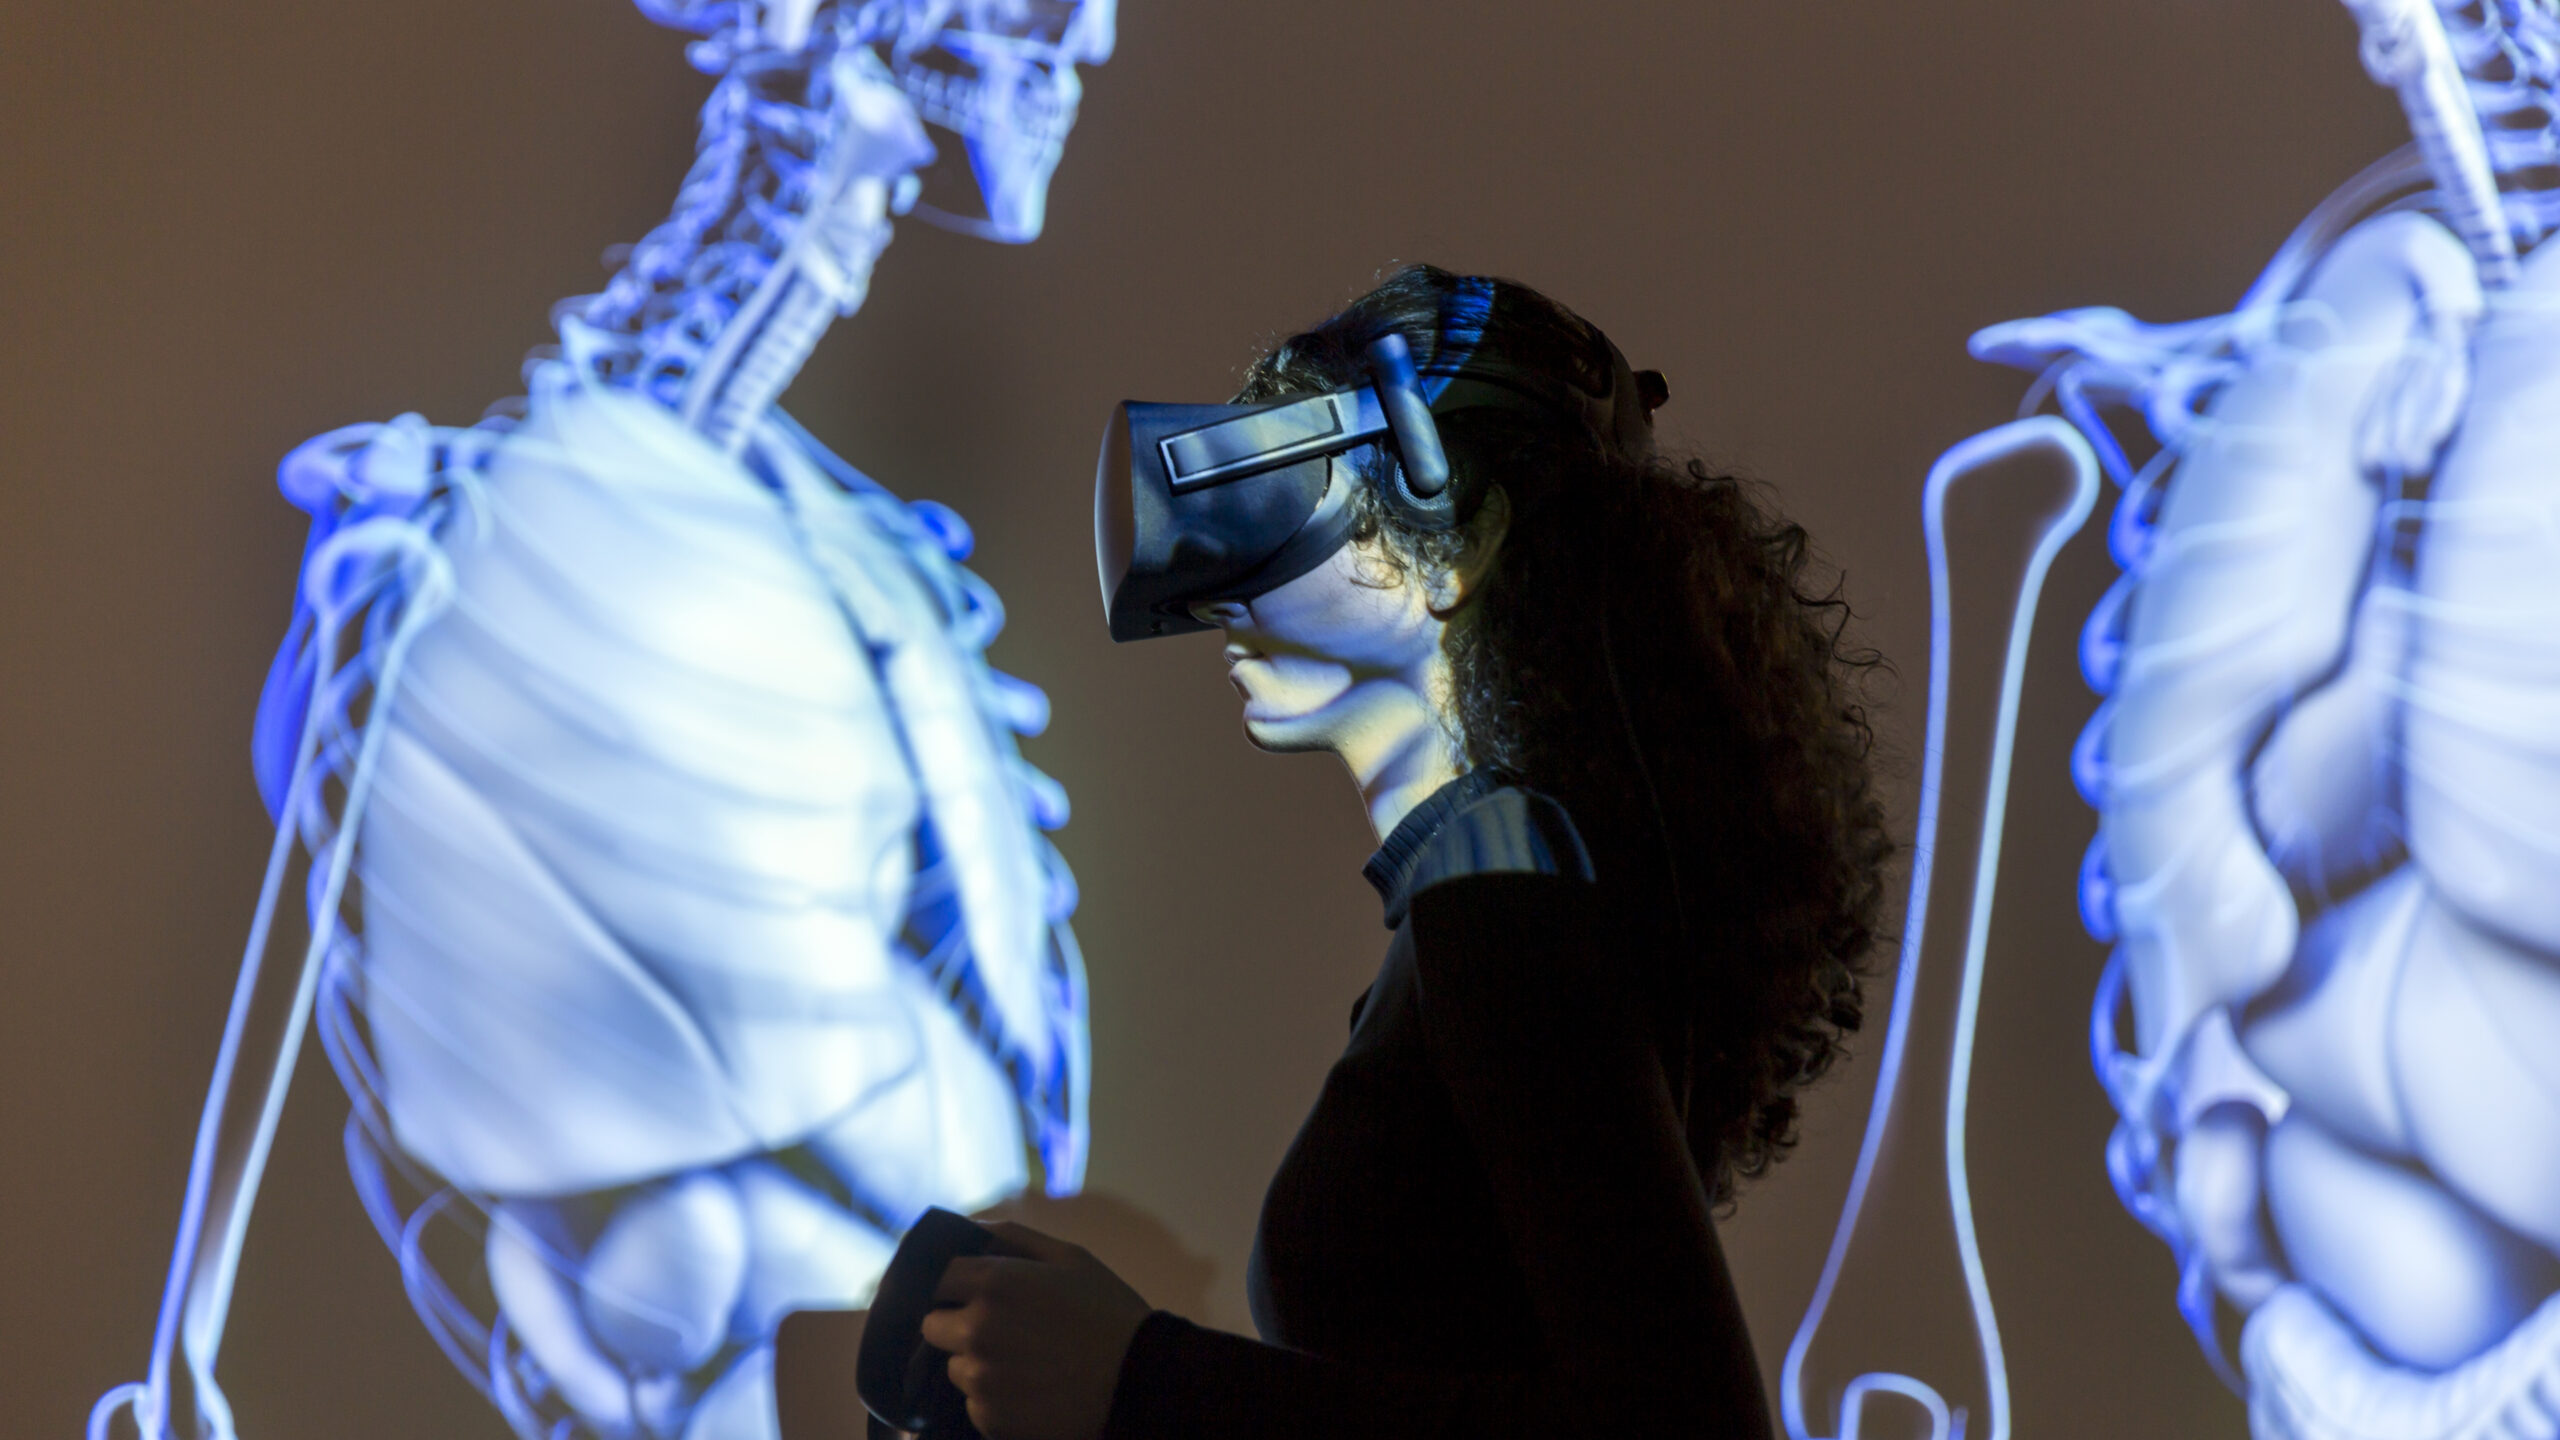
[1220,613]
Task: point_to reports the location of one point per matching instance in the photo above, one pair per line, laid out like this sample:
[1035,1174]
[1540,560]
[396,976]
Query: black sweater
[1490,1224]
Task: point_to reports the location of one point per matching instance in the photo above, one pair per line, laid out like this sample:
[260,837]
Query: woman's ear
[1473,567]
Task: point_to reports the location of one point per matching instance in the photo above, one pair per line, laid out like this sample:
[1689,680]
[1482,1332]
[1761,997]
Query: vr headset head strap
[1619,417]
[1194,503]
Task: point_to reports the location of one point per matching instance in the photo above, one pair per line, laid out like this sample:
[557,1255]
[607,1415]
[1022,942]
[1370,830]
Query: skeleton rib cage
[2326,764]
[681,924]
[409,1202]
[2323,759]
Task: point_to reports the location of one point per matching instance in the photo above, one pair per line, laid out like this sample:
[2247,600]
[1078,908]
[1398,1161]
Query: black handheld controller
[903,1381]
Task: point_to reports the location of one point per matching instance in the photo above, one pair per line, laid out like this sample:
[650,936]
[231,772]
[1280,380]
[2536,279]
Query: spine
[2407,48]
[773,234]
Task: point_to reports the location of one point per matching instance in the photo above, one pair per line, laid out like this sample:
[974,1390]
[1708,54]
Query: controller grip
[902,1380]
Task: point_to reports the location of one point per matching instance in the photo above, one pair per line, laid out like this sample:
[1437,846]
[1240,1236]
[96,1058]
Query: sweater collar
[1390,870]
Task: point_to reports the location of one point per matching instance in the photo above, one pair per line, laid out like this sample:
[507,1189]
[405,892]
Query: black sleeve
[1542,1040]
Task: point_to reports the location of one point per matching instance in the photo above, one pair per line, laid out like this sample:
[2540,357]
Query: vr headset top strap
[1401,402]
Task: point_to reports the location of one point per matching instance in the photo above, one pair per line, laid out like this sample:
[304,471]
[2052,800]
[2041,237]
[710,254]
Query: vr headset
[1200,503]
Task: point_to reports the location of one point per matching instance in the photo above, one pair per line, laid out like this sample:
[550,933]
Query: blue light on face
[681,922]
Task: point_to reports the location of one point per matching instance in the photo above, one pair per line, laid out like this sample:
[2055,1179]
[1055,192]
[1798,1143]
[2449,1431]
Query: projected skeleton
[2327,767]
[2327,771]
[680,924]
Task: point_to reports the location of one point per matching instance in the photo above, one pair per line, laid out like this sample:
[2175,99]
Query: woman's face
[1346,652]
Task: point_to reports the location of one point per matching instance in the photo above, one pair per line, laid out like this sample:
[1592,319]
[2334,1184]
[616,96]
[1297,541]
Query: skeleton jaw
[1013,111]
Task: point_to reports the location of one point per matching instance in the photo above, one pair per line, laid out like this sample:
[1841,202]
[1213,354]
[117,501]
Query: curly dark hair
[1650,649]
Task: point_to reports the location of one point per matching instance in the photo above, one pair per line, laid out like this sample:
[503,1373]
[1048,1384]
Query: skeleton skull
[1001,76]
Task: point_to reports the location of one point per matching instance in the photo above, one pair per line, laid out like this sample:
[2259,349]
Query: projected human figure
[682,927]
[2329,837]
[2327,771]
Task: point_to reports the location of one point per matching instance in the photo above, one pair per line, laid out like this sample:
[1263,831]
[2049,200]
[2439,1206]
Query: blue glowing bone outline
[374,568]
[711,319]
[2479,93]
[1965,457]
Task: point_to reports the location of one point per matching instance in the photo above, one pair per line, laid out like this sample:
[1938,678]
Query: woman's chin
[1287,735]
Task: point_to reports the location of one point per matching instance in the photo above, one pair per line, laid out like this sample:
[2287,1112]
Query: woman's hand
[1036,1332]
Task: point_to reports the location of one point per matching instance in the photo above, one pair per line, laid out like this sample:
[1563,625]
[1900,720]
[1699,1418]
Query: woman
[1631,858]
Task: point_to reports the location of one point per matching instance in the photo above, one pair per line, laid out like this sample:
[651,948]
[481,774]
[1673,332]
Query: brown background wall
[229,227]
